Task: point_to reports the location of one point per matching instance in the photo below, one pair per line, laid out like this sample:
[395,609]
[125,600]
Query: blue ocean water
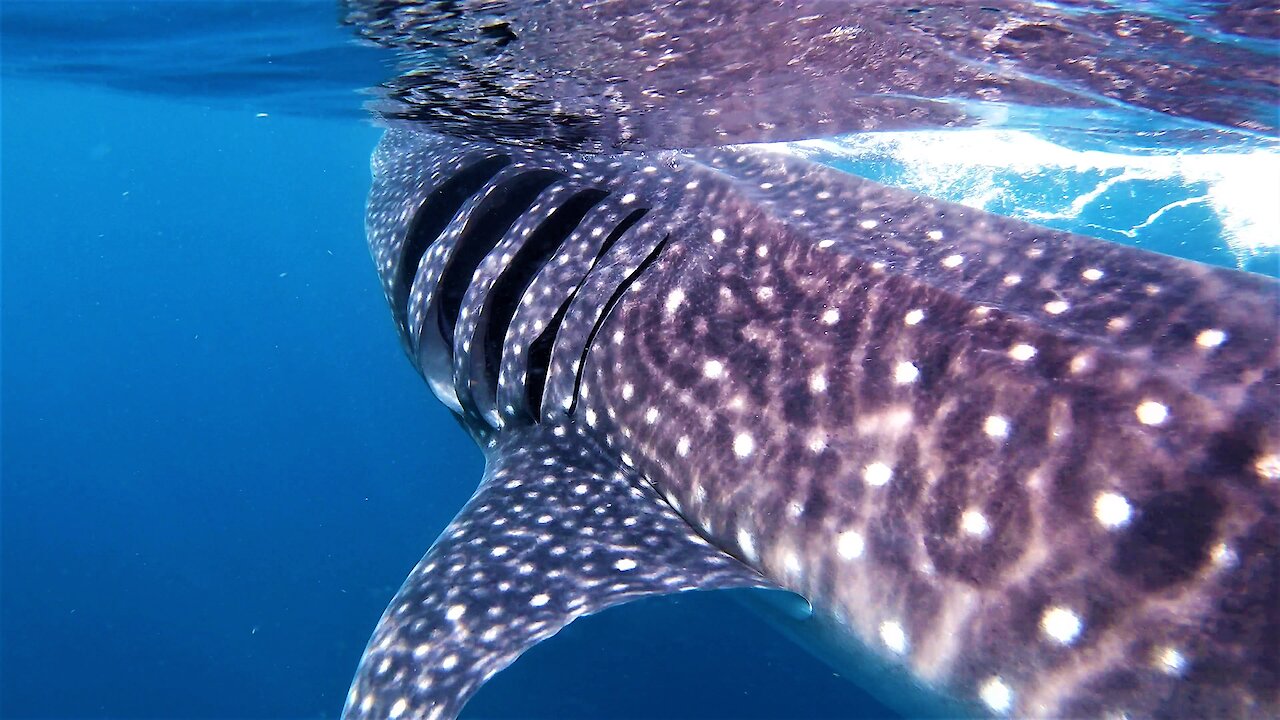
[217,466]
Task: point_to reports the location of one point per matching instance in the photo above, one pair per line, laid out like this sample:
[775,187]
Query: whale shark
[985,468]
[1001,469]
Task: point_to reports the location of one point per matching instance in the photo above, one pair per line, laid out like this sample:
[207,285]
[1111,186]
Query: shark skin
[658,74]
[1030,472]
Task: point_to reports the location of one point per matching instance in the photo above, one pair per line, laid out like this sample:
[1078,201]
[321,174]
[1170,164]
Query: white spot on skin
[831,317]
[499,551]
[539,600]
[713,369]
[1022,352]
[1061,625]
[934,235]
[1112,510]
[1150,412]
[672,500]
[914,317]
[450,662]
[628,198]
[398,707]
[877,474]
[682,447]
[743,445]
[974,523]
[1268,466]
[868,224]
[850,544]
[651,415]
[1170,660]
[764,293]
[1012,280]
[818,382]
[625,564]
[748,545]
[1211,338]
[674,299]
[905,373]
[717,236]
[952,261]
[1092,274]
[1056,307]
[893,636]
[628,391]
[996,426]
[996,694]
[1223,555]
[455,612]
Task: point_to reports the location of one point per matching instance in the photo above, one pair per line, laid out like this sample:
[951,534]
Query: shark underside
[1033,473]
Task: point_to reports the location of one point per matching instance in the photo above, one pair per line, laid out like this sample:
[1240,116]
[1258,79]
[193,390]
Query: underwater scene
[939,339]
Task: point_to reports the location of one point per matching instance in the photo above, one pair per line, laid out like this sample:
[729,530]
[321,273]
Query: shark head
[1020,471]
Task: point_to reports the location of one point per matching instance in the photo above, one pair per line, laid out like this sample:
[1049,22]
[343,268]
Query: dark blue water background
[217,466]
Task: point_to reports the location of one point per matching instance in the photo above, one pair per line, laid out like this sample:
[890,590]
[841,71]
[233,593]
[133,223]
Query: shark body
[1025,471]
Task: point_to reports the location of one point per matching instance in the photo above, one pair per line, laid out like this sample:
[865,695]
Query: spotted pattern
[535,317]
[968,427]
[556,531]
[1042,478]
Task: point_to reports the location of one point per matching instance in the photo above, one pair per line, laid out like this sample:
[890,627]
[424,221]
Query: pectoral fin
[557,530]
